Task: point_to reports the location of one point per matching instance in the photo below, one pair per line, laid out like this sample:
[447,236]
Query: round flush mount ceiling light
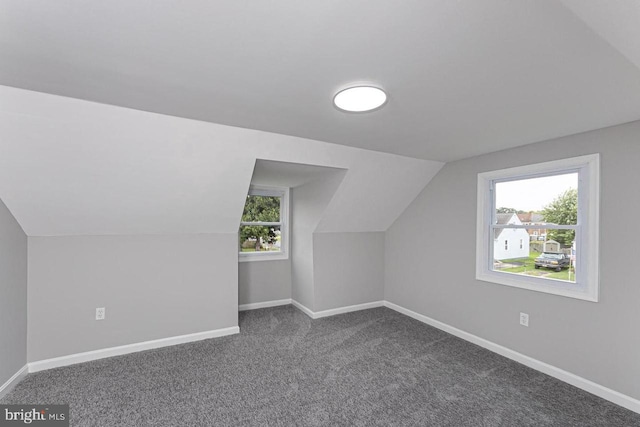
[359,99]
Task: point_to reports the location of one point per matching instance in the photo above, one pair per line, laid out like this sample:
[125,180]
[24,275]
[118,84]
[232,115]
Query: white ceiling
[72,167]
[617,22]
[283,174]
[463,77]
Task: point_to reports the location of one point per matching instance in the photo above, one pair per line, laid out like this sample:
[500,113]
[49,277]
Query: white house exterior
[510,243]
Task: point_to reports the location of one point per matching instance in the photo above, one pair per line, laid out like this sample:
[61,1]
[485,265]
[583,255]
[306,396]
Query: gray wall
[308,202]
[13,295]
[348,269]
[262,281]
[152,287]
[430,265]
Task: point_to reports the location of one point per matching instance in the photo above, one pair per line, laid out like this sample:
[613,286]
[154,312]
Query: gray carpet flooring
[367,368]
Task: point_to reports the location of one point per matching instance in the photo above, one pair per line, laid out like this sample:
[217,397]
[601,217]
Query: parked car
[555,260]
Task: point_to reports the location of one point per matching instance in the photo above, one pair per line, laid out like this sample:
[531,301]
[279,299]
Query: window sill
[252,256]
[554,287]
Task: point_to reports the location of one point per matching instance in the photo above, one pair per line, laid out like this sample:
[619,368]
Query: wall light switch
[101,313]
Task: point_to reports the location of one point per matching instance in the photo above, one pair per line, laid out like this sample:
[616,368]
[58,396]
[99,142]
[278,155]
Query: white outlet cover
[100,313]
[524,319]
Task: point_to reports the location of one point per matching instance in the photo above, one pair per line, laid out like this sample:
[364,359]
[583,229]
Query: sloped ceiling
[283,174]
[72,167]
[97,100]
[464,77]
[617,22]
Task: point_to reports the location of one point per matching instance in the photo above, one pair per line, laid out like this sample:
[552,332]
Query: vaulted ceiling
[72,167]
[463,77]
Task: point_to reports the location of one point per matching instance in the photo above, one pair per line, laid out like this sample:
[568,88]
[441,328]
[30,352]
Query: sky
[534,193]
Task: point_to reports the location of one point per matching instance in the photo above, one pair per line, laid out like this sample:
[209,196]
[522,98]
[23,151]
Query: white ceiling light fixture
[360,99]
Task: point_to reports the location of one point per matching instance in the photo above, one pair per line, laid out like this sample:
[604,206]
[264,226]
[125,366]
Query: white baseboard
[575,380]
[266,304]
[72,359]
[582,383]
[347,309]
[334,311]
[13,381]
[303,309]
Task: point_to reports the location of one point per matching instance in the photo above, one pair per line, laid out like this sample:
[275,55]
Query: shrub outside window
[263,233]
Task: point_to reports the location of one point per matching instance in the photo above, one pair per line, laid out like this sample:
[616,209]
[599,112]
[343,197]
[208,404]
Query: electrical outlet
[101,313]
[524,319]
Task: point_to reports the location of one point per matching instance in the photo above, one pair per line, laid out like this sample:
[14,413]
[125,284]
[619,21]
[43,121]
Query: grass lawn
[526,266]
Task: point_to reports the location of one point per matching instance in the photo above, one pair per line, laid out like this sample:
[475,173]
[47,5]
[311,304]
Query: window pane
[538,201]
[547,259]
[260,238]
[261,209]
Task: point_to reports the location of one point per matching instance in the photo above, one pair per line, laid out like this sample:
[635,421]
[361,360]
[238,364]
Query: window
[263,233]
[556,201]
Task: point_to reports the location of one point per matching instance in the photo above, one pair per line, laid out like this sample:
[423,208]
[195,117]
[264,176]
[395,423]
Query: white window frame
[587,227]
[283,254]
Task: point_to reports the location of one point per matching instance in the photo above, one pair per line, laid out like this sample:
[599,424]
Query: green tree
[563,210]
[260,209]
